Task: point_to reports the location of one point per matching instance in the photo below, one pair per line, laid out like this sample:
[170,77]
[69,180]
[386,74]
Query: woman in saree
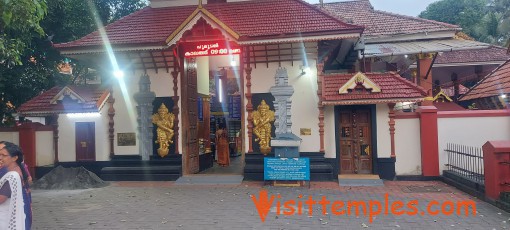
[15,199]
[222,149]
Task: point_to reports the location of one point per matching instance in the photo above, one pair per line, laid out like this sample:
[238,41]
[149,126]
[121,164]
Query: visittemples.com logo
[371,208]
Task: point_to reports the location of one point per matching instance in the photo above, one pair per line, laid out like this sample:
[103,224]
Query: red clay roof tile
[94,96]
[248,18]
[494,84]
[494,53]
[394,88]
[377,23]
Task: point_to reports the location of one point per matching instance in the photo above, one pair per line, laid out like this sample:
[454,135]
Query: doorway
[85,141]
[355,140]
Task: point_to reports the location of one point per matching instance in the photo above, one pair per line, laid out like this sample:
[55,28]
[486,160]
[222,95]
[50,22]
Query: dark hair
[14,150]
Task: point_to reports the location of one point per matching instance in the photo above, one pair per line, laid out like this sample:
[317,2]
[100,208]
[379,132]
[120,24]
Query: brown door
[85,141]
[190,116]
[355,141]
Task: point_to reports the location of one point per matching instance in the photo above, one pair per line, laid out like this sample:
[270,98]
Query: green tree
[37,60]
[19,23]
[484,20]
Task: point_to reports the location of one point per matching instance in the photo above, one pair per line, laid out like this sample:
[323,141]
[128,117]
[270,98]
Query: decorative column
[249,108]
[175,111]
[320,67]
[55,136]
[392,128]
[425,62]
[286,144]
[206,109]
[111,114]
[144,98]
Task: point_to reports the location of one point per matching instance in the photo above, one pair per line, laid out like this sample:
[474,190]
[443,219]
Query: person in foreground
[15,199]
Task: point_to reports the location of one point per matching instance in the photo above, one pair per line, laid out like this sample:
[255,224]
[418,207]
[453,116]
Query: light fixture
[503,96]
[233,63]
[118,74]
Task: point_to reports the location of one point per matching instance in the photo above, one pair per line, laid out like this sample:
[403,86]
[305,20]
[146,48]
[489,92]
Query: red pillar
[27,142]
[429,142]
[496,160]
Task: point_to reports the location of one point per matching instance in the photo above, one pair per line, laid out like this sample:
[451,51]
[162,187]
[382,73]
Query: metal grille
[466,161]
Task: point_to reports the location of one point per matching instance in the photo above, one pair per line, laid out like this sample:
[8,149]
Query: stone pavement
[164,205]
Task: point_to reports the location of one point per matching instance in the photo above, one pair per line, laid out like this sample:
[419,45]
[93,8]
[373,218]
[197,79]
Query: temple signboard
[210,48]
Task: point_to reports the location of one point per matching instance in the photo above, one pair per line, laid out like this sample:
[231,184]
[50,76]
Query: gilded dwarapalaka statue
[262,118]
[165,122]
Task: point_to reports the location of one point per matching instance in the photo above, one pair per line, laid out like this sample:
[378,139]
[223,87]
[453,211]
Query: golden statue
[262,119]
[165,122]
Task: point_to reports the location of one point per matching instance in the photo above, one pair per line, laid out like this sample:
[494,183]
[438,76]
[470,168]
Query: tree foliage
[18,25]
[35,58]
[485,20]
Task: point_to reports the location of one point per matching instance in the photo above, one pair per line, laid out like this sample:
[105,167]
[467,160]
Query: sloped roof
[93,97]
[249,19]
[494,84]
[378,23]
[393,87]
[492,54]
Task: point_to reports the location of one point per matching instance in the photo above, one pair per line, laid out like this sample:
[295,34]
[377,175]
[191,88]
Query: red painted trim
[44,128]
[406,115]
[8,129]
[474,113]
[27,142]
[429,141]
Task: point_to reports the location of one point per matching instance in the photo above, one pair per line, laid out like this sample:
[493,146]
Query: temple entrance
[355,137]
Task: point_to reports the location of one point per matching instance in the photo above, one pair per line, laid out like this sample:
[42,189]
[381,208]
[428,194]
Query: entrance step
[210,180]
[359,180]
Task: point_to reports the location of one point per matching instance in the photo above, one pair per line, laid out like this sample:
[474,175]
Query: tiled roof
[93,95]
[494,84]
[394,88]
[448,106]
[492,54]
[378,23]
[249,19]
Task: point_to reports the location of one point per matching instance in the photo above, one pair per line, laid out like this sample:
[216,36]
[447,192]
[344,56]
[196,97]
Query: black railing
[466,161]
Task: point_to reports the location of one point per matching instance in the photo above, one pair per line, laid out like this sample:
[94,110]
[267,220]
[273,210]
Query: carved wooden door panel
[85,141]
[190,115]
[355,142]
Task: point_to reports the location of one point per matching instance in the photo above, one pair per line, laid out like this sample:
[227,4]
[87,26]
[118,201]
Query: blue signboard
[287,168]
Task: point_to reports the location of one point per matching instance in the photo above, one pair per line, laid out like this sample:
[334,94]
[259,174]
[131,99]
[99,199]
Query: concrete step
[359,180]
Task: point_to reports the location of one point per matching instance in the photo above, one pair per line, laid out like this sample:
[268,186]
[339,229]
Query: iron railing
[466,161]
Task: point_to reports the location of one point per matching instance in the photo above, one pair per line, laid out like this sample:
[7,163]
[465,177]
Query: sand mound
[69,178]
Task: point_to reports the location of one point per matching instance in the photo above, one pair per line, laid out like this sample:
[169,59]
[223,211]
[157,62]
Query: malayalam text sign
[287,168]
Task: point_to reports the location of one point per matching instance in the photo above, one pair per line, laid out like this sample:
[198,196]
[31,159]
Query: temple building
[178,71]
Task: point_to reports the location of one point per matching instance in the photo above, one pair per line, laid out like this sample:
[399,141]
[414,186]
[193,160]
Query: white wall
[44,150]
[305,113]
[125,104]
[470,131]
[329,132]
[203,75]
[408,146]
[383,131]
[67,136]
[10,137]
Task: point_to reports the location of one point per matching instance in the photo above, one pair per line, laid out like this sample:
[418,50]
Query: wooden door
[190,116]
[355,141]
[85,141]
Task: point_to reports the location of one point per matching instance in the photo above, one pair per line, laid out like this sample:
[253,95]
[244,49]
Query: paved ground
[163,205]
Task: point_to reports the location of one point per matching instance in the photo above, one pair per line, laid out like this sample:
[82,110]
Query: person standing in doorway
[222,149]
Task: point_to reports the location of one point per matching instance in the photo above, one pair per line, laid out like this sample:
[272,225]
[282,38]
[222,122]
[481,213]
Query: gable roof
[251,20]
[68,99]
[493,54]
[494,84]
[377,23]
[393,88]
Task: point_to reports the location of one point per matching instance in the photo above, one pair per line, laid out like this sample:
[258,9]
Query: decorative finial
[200,4]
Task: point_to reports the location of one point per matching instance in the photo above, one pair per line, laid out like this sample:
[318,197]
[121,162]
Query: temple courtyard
[167,205]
